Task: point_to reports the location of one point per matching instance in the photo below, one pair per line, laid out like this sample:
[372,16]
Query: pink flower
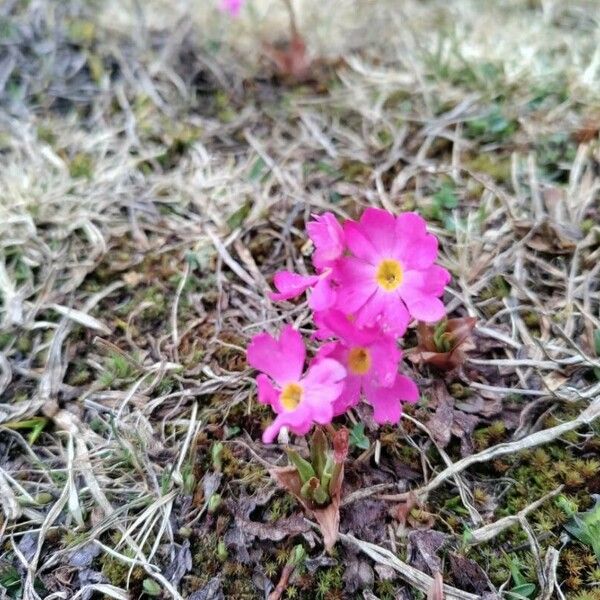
[299,400]
[327,235]
[391,276]
[371,359]
[289,285]
[233,7]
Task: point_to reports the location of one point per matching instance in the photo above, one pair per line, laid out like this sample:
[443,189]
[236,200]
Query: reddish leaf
[400,511]
[436,591]
[588,131]
[292,61]
[458,334]
[340,452]
[283,582]
[327,517]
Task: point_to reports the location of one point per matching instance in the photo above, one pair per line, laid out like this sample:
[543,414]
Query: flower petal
[426,308]
[359,244]
[324,377]
[290,285]
[386,401]
[414,247]
[350,395]
[328,237]
[418,252]
[345,328]
[379,227]
[322,384]
[371,311]
[323,296]
[356,284]
[267,394]
[434,280]
[406,389]
[282,359]
[385,356]
[298,422]
[410,225]
[395,318]
[233,7]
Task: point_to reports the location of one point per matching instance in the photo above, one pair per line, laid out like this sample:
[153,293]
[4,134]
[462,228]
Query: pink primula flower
[371,359]
[289,285]
[299,400]
[233,7]
[391,275]
[328,237]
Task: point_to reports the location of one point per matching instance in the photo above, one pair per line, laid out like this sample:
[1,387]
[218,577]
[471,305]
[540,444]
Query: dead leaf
[365,519]
[328,519]
[468,575]
[246,504]
[385,572]
[211,591]
[440,424]
[480,405]
[458,335]
[180,565]
[312,564]
[447,421]
[209,485]
[462,427]
[276,531]
[239,542]
[423,548]
[554,380]
[358,575]
[549,235]
[84,556]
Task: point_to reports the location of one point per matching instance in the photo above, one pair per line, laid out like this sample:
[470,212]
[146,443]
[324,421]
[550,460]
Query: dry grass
[153,177]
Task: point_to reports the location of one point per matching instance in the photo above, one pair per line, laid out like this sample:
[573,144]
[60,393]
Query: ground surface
[154,176]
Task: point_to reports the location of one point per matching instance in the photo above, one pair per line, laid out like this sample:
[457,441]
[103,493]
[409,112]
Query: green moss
[117,371]
[81,31]
[81,166]
[329,580]
[46,134]
[385,589]
[496,167]
[117,572]
[80,376]
[24,343]
[492,126]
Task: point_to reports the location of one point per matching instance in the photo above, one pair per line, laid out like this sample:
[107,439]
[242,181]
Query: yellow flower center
[389,274]
[291,396]
[359,361]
